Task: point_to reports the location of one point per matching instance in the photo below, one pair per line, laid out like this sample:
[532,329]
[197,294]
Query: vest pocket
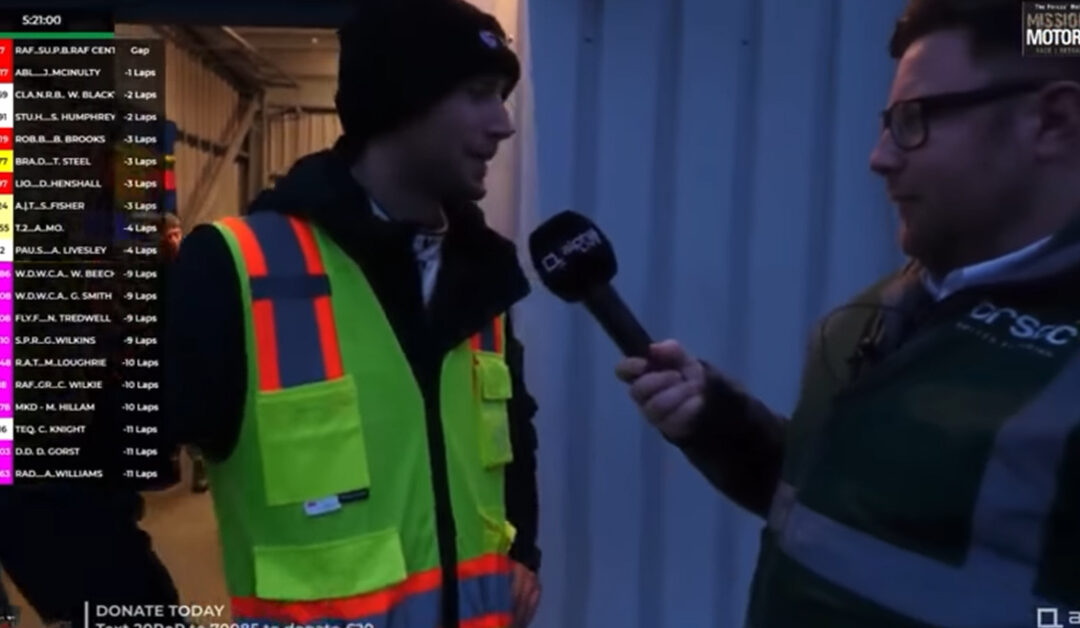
[341,568]
[496,389]
[498,533]
[311,441]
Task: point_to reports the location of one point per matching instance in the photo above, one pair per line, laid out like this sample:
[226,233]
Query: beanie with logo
[399,58]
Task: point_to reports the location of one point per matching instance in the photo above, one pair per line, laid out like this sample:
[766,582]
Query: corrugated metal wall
[203,105]
[291,135]
[722,146]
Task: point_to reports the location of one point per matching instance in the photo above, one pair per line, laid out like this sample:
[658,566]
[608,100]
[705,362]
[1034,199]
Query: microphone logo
[582,243]
[572,256]
[552,262]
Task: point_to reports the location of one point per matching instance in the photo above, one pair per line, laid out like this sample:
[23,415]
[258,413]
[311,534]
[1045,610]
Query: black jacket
[740,445]
[479,277]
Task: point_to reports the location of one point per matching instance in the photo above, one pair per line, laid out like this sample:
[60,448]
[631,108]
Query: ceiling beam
[265,45]
[281,77]
[215,168]
[304,63]
[307,77]
[311,94]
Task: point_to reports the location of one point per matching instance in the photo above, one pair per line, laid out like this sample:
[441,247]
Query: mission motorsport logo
[1051,29]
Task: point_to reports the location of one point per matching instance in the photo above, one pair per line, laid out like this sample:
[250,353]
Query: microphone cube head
[572,256]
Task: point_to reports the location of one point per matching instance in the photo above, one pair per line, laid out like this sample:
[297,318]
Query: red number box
[6,60]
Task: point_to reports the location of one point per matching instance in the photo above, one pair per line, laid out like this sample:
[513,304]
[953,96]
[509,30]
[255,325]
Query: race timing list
[82,174]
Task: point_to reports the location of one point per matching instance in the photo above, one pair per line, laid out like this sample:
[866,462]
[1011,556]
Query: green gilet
[929,491]
[326,507]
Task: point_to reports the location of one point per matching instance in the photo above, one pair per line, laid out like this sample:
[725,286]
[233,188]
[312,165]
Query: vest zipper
[445,529]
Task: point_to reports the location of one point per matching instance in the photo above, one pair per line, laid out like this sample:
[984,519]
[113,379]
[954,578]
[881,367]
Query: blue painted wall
[722,145]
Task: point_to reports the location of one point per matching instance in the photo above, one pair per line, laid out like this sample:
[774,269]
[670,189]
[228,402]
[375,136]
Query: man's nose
[886,156]
[502,127]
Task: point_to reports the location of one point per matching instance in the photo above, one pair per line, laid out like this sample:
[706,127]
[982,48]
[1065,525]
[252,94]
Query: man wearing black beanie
[361,404]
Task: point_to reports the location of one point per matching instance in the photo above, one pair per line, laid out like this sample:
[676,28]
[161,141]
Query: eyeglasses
[906,120]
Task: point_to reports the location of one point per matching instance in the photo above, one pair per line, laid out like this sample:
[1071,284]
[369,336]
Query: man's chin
[464,194]
[927,251]
[474,191]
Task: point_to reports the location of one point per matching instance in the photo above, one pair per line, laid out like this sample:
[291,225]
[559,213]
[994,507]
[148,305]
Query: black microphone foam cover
[572,256]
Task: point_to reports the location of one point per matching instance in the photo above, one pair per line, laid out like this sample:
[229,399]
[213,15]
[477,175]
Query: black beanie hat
[400,57]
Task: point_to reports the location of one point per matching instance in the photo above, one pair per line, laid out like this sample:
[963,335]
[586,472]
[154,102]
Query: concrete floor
[184,532]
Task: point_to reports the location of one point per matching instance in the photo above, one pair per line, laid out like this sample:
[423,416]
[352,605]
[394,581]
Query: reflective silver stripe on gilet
[994,587]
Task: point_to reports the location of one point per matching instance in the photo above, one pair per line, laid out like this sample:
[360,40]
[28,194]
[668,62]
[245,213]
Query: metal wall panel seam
[738,256]
[659,300]
[581,387]
[821,191]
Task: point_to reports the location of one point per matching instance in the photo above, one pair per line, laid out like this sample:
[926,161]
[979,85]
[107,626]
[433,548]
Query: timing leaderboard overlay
[82,181]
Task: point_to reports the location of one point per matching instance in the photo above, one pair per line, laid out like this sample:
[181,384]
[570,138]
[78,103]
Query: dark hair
[995,29]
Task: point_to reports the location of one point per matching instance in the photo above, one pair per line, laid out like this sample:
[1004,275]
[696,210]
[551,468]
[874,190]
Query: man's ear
[1059,129]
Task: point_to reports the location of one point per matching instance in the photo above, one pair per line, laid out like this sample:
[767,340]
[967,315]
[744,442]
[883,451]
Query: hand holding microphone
[669,387]
[576,262]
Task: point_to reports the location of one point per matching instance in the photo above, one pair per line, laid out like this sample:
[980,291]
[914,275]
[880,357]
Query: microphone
[576,262]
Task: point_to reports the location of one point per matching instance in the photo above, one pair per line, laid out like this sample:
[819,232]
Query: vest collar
[480,275]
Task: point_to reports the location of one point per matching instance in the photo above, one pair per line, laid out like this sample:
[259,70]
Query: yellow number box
[7,216]
[7,161]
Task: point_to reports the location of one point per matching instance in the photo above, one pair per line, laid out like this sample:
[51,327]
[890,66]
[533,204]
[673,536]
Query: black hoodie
[479,277]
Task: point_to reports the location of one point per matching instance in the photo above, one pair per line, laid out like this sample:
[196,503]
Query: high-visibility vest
[920,495]
[326,507]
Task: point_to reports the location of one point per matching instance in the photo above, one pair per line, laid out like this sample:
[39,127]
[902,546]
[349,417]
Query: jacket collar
[480,275]
[1055,255]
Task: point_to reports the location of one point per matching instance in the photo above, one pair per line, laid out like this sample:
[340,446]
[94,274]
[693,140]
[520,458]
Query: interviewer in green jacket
[930,474]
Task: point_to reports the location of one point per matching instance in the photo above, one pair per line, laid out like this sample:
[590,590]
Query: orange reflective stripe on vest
[261,311]
[494,620]
[290,296]
[489,338]
[414,603]
[324,315]
[484,592]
